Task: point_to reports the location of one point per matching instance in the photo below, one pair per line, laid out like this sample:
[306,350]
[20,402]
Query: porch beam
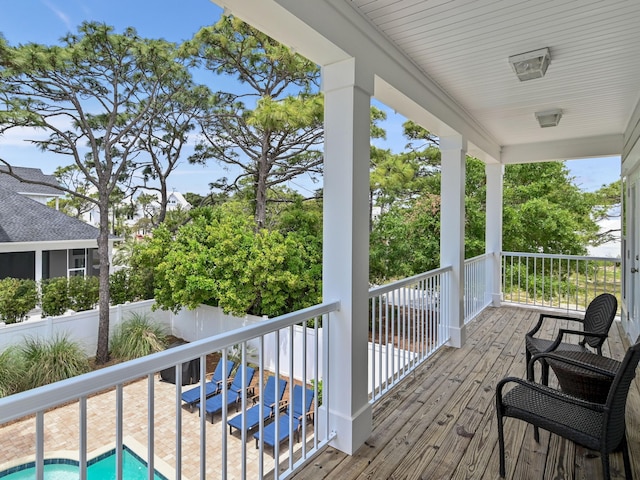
[561,150]
[347,95]
[453,151]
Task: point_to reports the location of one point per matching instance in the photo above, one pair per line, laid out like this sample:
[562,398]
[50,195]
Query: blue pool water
[102,467]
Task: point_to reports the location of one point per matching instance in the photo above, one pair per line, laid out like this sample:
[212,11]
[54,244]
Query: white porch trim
[493,229]
[453,160]
[347,90]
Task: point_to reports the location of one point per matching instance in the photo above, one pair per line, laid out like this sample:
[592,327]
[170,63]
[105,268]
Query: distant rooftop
[35,174]
[25,220]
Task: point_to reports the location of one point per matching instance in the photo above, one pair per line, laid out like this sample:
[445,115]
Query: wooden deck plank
[440,421]
[481,400]
[399,407]
[414,449]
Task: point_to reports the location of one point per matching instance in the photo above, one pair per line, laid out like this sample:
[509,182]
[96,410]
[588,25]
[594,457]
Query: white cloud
[59,13]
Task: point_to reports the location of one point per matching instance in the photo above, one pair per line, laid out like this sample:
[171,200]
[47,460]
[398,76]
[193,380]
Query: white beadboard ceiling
[464,45]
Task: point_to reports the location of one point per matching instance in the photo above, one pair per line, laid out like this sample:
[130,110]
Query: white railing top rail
[49,396]
[478,258]
[560,256]
[405,282]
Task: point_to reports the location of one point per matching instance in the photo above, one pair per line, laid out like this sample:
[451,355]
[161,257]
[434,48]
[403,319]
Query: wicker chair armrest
[570,361]
[551,392]
[563,331]
[538,325]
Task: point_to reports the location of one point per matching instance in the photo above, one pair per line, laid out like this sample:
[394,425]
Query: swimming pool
[98,468]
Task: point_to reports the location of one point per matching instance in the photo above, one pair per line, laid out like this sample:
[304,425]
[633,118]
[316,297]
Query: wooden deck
[440,423]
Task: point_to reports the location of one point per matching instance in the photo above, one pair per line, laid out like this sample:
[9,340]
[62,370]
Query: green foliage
[136,337]
[145,257]
[48,361]
[219,259]
[276,135]
[120,288]
[12,375]
[17,298]
[319,390]
[55,296]
[83,292]
[405,240]
[544,212]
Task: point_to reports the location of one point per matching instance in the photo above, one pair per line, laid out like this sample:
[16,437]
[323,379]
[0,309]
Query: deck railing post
[453,154]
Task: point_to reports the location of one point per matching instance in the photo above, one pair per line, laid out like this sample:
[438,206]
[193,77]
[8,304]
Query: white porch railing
[406,326]
[476,296]
[230,452]
[568,282]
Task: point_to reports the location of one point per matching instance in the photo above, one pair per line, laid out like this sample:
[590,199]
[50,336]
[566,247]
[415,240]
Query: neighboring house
[37,241]
[175,201]
[39,193]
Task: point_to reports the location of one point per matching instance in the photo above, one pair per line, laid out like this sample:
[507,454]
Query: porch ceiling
[462,48]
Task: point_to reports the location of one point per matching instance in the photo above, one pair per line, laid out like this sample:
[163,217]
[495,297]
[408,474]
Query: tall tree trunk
[102,353]
[261,192]
[163,201]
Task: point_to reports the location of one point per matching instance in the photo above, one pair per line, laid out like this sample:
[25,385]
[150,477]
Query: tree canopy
[91,96]
[271,130]
[220,259]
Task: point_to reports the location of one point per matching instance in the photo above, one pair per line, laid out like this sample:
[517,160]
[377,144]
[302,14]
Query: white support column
[493,232]
[38,265]
[347,97]
[453,151]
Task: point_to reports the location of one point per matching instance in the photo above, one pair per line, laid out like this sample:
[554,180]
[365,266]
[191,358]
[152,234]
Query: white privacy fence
[82,327]
[79,326]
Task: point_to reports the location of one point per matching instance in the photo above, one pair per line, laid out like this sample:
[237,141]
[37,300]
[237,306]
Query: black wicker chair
[599,427]
[595,329]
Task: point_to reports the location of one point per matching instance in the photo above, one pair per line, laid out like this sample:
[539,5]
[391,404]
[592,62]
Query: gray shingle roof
[15,185]
[25,220]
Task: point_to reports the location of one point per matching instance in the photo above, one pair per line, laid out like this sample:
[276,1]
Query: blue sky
[46,21]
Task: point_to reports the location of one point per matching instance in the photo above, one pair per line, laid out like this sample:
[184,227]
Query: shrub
[48,361]
[83,292]
[55,296]
[17,298]
[119,287]
[129,285]
[136,337]
[319,390]
[12,374]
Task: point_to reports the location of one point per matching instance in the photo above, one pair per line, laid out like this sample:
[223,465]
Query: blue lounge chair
[213,404]
[219,378]
[269,400]
[299,415]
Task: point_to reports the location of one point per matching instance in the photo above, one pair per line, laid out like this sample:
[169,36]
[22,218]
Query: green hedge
[17,298]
